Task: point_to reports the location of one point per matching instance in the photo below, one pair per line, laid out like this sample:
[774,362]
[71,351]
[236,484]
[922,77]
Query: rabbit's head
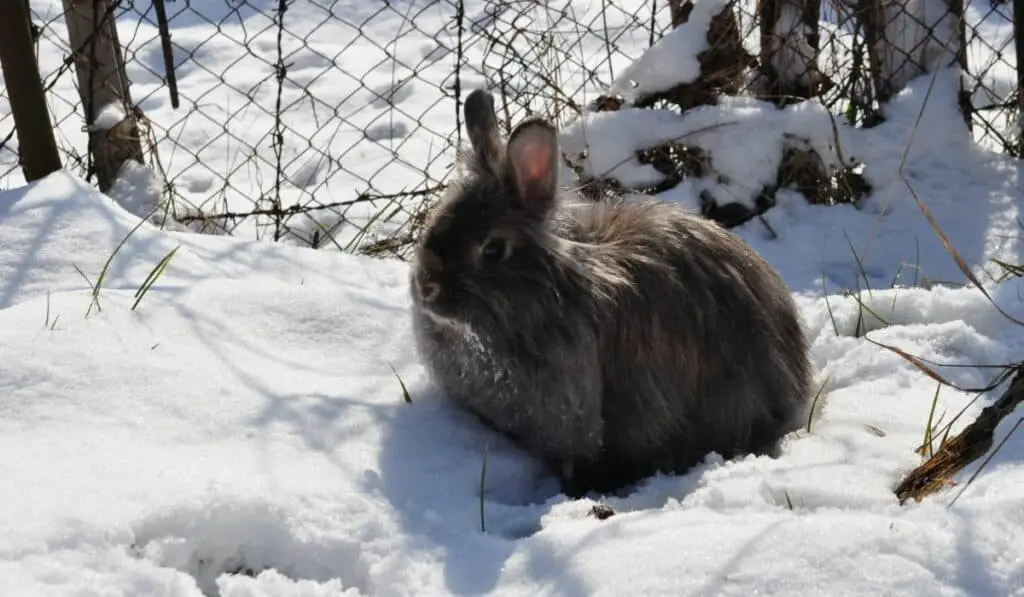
[490,239]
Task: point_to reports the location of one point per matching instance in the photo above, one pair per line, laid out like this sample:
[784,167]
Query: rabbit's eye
[495,250]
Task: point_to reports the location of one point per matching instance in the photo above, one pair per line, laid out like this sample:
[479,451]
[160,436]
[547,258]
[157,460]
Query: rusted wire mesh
[332,123]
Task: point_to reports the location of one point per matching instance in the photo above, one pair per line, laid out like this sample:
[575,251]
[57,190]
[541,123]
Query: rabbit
[612,340]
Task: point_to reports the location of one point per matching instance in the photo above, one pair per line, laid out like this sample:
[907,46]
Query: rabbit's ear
[533,163]
[482,126]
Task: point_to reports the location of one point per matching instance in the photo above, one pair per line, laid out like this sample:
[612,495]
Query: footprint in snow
[309,172]
[391,94]
[245,546]
[201,183]
[387,130]
[432,53]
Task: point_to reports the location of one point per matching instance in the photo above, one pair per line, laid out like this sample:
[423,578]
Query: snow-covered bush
[700,118]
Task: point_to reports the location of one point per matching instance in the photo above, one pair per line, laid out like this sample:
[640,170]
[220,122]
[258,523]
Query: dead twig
[971,444]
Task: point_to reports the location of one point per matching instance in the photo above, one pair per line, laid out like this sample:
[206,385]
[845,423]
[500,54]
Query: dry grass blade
[1009,270]
[828,306]
[914,361]
[153,276]
[960,263]
[94,298]
[922,365]
[106,266]
[860,265]
[864,307]
[926,444]
[956,453]
[110,258]
[405,392]
[814,403]
[483,479]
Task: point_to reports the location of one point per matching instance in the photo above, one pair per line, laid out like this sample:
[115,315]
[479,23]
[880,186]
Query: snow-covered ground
[243,431]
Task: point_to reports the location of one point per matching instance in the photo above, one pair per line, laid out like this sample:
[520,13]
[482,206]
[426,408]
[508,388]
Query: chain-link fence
[333,122]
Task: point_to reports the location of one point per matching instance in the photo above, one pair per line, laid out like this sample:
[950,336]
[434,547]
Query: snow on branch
[743,141]
[673,60]
[735,151]
[699,59]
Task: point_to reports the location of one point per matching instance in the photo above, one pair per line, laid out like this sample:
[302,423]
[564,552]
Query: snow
[672,60]
[108,117]
[242,432]
[245,417]
[361,109]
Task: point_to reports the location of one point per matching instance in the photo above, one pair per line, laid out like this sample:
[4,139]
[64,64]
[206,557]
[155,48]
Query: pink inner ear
[530,156]
[535,162]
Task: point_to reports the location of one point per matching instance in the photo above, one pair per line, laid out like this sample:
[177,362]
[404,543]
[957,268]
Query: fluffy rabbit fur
[613,340]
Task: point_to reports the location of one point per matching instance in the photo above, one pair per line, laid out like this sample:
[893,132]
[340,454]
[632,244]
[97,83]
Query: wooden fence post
[790,38]
[898,39]
[36,145]
[102,84]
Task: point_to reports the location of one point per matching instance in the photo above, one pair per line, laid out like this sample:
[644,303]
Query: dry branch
[958,452]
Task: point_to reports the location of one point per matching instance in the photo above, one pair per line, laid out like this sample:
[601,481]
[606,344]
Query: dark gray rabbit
[613,339]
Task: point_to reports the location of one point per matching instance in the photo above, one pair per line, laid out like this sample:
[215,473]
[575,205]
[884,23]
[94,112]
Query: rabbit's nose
[429,291]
